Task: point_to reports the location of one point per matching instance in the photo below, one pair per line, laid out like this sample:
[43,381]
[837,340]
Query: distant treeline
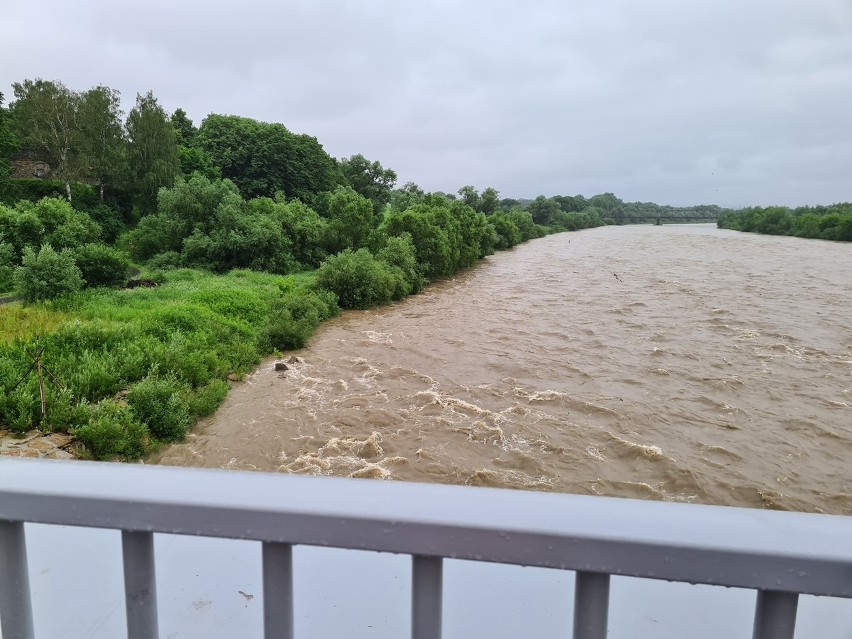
[833,222]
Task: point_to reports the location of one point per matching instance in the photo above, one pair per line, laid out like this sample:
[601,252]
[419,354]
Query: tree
[263,159]
[605,202]
[8,145]
[102,135]
[45,116]
[369,179]
[152,149]
[406,197]
[351,219]
[184,128]
[470,196]
[489,201]
[543,209]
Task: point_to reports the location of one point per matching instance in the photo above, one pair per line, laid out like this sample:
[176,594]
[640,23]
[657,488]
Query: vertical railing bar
[775,614]
[140,584]
[16,613]
[277,591]
[591,605]
[427,584]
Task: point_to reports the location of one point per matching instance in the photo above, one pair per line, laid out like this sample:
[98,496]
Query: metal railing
[780,555]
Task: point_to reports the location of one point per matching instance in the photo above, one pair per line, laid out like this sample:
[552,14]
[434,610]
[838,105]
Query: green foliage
[263,158]
[184,128]
[110,221]
[358,279]
[101,141]
[153,154]
[47,274]
[113,432]
[306,231]
[194,160]
[542,210]
[506,230]
[51,221]
[351,219]
[368,179]
[161,403]
[820,222]
[205,400]
[399,254]
[101,265]
[294,317]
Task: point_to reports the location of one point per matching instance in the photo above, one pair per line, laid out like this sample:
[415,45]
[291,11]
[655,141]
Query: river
[675,362]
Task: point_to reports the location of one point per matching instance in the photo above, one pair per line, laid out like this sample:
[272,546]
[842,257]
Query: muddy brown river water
[681,363]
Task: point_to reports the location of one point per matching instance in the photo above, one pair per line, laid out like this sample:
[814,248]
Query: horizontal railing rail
[778,554]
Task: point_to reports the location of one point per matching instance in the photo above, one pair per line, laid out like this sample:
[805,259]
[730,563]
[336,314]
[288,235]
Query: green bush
[161,403]
[47,274]
[113,432]
[399,254]
[358,279]
[294,317]
[205,400]
[165,261]
[109,219]
[101,265]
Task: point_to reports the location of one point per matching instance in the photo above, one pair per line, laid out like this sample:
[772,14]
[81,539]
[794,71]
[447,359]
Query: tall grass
[138,366]
[24,322]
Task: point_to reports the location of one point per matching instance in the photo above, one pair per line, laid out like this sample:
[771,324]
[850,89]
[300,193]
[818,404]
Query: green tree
[351,219]
[489,201]
[263,159]
[45,115]
[605,202]
[153,151]
[102,136]
[543,209]
[47,274]
[369,179]
[406,197]
[470,196]
[184,128]
[8,146]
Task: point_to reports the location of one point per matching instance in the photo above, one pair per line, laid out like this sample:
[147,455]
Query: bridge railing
[780,555]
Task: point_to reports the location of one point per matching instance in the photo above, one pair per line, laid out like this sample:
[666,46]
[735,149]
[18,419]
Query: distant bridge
[665,218]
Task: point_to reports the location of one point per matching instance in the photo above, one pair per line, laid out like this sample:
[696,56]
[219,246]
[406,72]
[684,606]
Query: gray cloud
[707,101]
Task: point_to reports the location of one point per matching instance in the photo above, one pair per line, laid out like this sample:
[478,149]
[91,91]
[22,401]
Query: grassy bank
[137,367]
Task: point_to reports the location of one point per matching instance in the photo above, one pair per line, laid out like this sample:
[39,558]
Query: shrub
[399,254]
[294,317]
[161,403]
[358,279]
[101,265]
[109,219]
[47,274]
[206,400]
[165,261]
[113,432]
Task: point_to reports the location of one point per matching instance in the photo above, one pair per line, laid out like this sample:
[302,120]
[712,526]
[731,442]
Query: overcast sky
[732,102]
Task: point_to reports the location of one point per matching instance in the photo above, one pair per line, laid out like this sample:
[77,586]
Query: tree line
[832,222]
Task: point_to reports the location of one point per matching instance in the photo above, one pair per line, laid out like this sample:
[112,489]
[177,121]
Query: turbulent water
[678,362]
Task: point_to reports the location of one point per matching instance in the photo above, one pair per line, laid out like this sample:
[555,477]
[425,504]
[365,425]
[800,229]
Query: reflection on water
[677,362]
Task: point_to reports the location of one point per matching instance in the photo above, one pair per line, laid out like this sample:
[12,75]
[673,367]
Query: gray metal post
[16,613]
[775,614]
[277,591]
[140,584]
[591,605]
[427,580]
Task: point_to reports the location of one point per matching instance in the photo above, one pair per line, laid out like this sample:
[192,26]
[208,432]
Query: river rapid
[676,362]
